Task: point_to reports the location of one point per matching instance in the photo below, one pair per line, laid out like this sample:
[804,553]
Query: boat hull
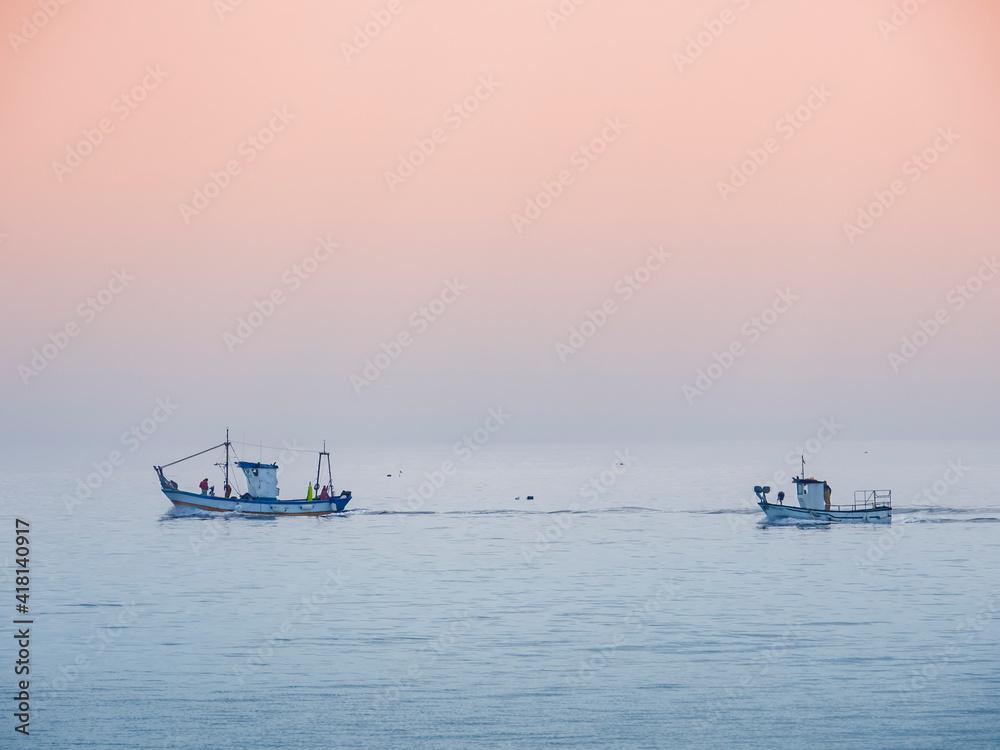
[258,506]
[775,512]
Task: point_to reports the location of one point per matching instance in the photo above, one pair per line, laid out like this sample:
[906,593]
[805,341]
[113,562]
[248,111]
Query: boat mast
[227,462]
[803,466]
[329,469]
[319,468]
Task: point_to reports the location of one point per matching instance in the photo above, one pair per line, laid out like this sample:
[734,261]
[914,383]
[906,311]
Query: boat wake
[802,523]
[204,515]
[937,515]
[188,512]
[902,515]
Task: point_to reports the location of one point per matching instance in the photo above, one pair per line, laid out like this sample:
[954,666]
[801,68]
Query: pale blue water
[659,614]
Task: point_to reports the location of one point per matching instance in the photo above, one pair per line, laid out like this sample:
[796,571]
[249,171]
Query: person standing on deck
[204,486]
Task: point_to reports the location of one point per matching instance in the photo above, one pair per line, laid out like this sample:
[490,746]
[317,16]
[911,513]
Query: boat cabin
[813,494]
[262,479]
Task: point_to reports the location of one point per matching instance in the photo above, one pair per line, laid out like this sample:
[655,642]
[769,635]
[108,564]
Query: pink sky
[553,90]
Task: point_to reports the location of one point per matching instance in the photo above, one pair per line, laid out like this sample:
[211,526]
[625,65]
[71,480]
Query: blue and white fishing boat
[870,506]
[261,496]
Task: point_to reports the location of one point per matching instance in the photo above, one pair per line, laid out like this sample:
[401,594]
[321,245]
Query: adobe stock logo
[293,278]
[901,14]
[225,7]
[250,148]
[122,106]
[420,319]
[753,329]
[914,168]
[786,126]
[626,287]
[958,297]
[38,20]
[363,35]
[455,116]
[87,310]
[703,39]
[562,12]
[464,450]
[582,158]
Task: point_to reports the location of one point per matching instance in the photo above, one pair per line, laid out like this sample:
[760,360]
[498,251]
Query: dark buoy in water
[530,497]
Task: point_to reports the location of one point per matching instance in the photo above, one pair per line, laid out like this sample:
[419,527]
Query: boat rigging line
[275,448]
[192,455]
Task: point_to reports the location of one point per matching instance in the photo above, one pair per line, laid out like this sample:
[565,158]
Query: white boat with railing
[813,495]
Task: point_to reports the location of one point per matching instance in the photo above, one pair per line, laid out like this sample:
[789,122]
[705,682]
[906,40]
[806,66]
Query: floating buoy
[531,497]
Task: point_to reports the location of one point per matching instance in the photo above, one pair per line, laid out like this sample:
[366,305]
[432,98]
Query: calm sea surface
[657,612]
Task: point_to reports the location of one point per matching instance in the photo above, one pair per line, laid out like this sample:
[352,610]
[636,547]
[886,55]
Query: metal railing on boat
[868,500]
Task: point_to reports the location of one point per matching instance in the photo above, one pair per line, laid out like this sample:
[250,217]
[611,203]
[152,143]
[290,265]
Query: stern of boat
[340,501]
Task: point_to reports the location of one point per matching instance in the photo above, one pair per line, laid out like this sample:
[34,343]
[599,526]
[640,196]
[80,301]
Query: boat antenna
[803,466]
[225,466]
